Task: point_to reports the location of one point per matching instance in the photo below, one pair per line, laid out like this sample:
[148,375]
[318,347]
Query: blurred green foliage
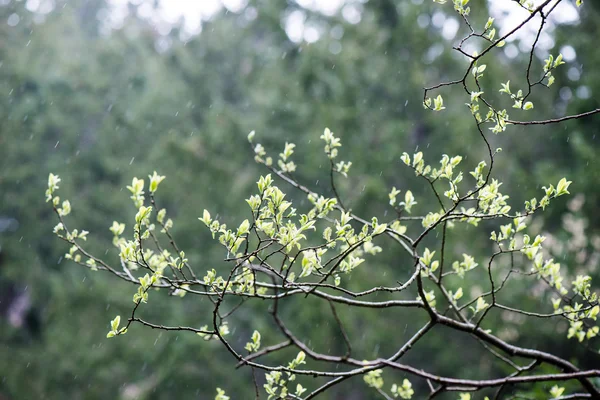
[99,106]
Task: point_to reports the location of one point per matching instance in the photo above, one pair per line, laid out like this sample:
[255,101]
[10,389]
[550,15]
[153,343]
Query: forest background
[99,91]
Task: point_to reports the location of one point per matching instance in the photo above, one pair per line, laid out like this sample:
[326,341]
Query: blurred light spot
[584,92]
[352,13]
[13,19]
[337,32]
[311,34]
[438,19]
[568,53]
[434,52]
[32,5]
[327,7]
[335,47]
[145,10]
[565,93]
[565,13]
[163,27]
[46,6]
[511,51]
[574,74]
[235,5]
[294,25]
[250,13]
[546,41]
[524,46]
[423,20]
[162,44]
[450,28]
[509,14]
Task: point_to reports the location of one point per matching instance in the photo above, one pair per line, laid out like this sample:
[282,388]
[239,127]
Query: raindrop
[132,159]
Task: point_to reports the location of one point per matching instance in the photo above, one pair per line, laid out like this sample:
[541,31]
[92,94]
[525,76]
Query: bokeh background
[99,91]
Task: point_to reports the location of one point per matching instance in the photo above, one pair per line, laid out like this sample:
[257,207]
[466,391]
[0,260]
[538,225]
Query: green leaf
[438,103]
[243,228]
[562,187]
[155,180]
[114,324]
[206,218]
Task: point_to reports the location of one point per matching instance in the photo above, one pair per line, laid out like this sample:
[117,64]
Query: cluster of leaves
[281,252]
